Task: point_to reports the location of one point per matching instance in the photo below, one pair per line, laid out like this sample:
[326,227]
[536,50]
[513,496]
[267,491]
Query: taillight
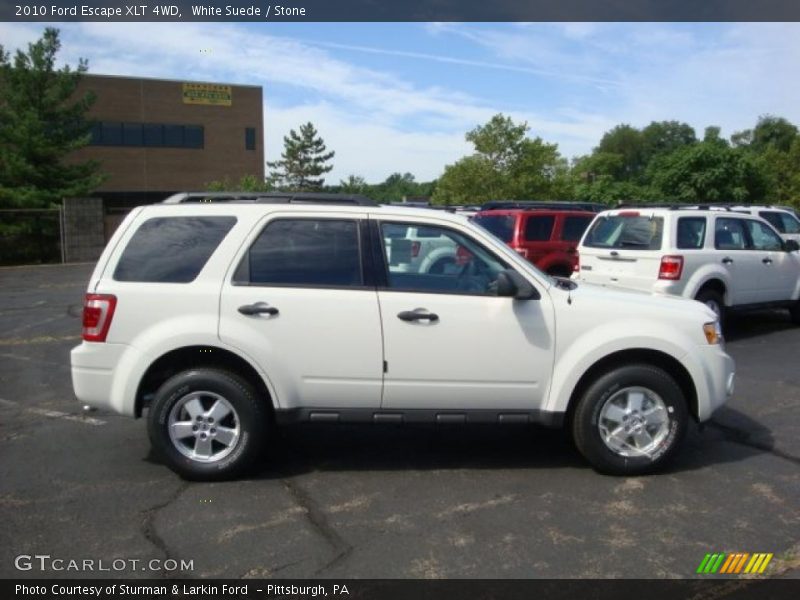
[98,310]
[671,267]
[415,246]
[523,252]
[576,268]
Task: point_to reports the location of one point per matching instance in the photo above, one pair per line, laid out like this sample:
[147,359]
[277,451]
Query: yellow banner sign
[207,93]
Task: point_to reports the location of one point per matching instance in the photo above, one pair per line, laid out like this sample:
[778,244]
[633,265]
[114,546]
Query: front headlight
[713,332]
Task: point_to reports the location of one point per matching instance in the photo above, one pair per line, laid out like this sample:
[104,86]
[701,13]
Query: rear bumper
[96,375]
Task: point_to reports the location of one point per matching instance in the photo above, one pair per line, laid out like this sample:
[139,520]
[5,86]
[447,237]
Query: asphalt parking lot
[380,502]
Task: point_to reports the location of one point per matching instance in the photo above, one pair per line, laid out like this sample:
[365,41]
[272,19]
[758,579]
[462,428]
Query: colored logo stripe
[734,563]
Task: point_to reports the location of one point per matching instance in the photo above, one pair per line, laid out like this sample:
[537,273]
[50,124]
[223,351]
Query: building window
[151,135]
[250,138]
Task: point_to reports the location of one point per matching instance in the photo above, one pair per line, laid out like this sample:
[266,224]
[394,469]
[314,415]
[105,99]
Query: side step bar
[419,416]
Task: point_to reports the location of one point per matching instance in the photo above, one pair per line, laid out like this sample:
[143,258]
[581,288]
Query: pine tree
[302,162]
[41,123]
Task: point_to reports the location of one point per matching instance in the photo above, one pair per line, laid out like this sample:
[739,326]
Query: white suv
[224,318]
[723,258]
[784,221]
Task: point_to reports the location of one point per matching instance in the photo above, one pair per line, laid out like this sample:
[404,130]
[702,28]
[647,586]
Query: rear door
[623,249]
[535,240]
[298,304]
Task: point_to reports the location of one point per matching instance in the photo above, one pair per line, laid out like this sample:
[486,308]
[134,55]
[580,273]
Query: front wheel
[207,424]
[630,420]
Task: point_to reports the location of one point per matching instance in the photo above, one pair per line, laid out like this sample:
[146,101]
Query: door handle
[767,260]
[727,260]
[258,308]
[418,314]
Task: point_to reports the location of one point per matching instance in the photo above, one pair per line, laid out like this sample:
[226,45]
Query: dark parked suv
[547,236]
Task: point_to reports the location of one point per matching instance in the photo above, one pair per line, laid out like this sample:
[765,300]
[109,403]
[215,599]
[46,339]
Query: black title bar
[400,10]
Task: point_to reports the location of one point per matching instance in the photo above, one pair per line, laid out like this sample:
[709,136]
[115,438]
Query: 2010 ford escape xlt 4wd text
[222,319]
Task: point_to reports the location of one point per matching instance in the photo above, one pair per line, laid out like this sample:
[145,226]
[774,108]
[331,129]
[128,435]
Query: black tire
[586,422]
[709,296]
[249,411]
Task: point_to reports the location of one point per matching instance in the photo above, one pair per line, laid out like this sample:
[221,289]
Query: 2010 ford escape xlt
[221,319]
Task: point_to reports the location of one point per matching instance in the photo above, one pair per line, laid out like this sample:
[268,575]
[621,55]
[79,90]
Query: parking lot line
[54,414]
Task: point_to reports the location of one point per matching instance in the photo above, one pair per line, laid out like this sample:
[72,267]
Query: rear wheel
[630,420]
[207,424]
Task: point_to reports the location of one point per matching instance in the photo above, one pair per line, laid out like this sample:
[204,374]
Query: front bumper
[714,375]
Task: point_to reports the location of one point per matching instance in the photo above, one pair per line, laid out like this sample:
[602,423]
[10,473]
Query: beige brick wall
[171,169]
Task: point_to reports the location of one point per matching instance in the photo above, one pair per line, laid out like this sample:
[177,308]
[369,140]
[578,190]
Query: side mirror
[511,284]
[791,246]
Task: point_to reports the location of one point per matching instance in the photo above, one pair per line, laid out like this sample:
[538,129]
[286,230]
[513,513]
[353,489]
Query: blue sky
[400,96]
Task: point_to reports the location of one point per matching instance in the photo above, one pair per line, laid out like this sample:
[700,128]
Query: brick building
[155,137]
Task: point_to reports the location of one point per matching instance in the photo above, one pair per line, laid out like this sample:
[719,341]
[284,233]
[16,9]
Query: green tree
[41,123]
[354,184]
[247,183]
[506,164]
[770,132]
[709,171]
[303,161]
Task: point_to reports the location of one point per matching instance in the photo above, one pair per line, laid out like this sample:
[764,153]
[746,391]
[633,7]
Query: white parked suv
[723,258]
[219,320]
[784,221]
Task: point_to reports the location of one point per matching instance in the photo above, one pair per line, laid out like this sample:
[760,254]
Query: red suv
[548,237]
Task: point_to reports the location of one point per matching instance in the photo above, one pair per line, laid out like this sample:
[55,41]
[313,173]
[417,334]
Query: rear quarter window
[502,226]
[539,229]
[626,231]
[171,249]
[573,228]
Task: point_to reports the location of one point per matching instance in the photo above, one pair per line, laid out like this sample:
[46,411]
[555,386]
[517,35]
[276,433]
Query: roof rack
[270,198]
[543,205]
[675,206]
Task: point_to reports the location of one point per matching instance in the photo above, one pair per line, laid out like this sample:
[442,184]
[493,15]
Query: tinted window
[112,134]
[193,136]
[132,134]
[573,228]
[500,225]
[171,249]
[250,138]
[729,234]
[304,252]
[173,135]
[456,264]
[783,222]
[153,134]
[691,232]
[763,237]
[539,229]
[626,231]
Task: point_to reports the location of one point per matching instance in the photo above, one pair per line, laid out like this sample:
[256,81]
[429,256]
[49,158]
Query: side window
[539,229]
[729,234]
[304,253]
[573,228]
[763,237]
[691,232]
[171,249]
[455,264]
[774,219]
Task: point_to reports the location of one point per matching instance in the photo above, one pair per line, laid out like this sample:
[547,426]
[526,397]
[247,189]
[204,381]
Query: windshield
[625,231]
[502,226]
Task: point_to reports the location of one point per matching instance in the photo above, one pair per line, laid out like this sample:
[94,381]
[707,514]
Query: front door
[450,343]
